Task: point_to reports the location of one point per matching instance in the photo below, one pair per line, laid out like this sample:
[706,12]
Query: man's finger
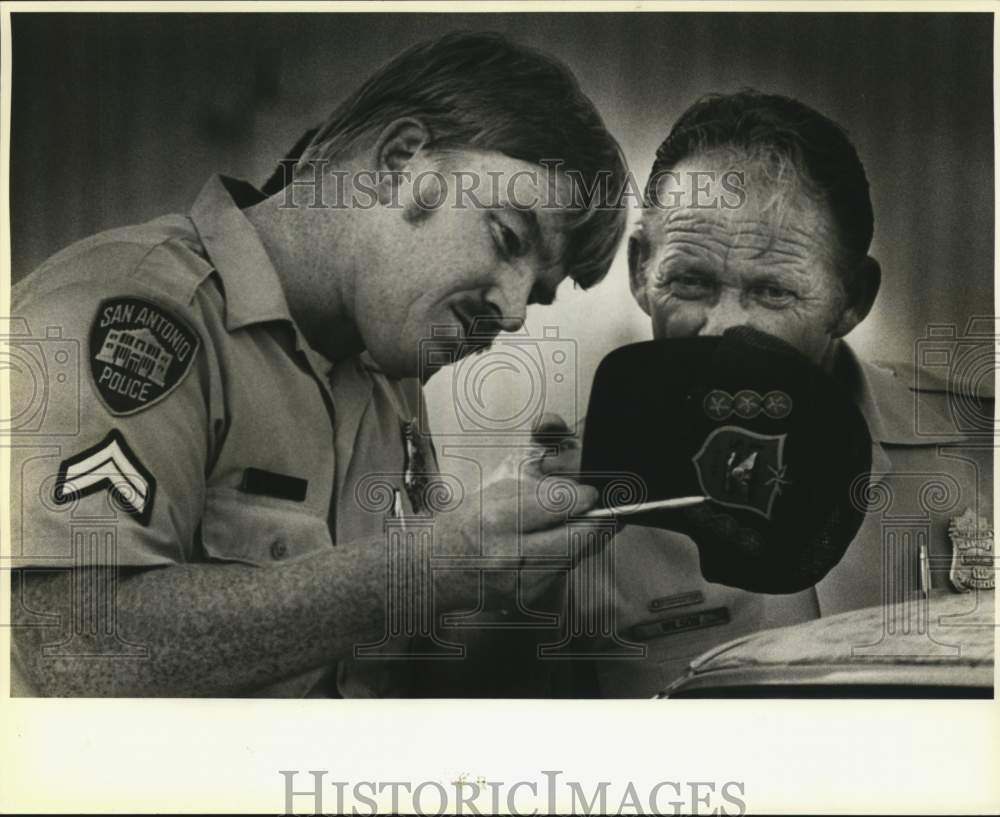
[566,461]
[586,498]
[558,497]
[550,425]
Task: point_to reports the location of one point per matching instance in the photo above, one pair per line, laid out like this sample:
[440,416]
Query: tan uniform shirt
[176,397]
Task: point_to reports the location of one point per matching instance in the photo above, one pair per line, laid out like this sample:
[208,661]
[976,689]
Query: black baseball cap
[778,446]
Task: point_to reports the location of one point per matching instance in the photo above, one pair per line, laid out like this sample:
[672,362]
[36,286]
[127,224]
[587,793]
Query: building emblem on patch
[139,353]
[742,469]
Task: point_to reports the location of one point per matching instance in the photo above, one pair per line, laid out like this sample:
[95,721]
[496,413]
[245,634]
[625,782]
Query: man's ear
[860,295]
[394,150]
[636,269]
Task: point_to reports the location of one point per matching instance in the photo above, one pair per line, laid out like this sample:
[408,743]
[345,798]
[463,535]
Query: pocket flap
[260,531]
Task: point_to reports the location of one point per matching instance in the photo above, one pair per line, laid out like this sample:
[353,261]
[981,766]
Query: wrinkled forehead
[735,200]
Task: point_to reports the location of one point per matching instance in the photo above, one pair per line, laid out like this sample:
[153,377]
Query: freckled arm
[208,629]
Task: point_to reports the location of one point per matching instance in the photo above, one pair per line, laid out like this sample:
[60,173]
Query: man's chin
[449,347]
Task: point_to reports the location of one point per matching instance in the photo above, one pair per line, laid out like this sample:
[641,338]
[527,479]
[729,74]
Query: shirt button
[279,550]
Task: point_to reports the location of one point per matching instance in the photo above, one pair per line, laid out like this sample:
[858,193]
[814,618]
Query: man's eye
[689,287]
[508,242]
[772,295]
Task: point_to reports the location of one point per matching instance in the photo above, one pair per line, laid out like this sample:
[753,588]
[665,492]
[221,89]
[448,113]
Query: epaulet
[970,372]
[162,255]
[175,267]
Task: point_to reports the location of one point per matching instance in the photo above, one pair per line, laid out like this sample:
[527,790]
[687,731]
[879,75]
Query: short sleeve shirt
[167,409]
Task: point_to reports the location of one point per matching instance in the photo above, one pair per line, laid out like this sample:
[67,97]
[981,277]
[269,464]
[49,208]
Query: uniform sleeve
[109,417]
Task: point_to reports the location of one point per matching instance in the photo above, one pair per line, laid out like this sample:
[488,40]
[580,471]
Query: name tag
[678,600]
[268,483]
[680,624]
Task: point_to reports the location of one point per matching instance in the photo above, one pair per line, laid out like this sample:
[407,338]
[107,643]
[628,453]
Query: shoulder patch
[110,465]
[139,353]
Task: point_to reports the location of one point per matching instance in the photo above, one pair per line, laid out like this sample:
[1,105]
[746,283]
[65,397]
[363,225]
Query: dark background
[121,117]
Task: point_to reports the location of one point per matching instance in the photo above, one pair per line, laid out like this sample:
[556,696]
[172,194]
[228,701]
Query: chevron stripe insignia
[110,465]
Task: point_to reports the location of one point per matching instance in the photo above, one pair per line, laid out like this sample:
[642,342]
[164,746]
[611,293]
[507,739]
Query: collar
[888,403]
[403,394]
[253,290]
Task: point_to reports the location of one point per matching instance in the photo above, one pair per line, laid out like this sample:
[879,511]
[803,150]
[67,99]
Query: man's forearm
[210,629]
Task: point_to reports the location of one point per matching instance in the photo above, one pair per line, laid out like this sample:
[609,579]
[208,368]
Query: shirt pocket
[260,531]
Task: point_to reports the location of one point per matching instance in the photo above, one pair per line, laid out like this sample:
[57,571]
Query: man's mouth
[464,320]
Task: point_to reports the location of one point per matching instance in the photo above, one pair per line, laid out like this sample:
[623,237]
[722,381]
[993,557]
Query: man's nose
[510,297]
[724,314]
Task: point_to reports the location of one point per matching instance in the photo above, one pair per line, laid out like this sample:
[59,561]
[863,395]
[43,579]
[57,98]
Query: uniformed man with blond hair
[190,525]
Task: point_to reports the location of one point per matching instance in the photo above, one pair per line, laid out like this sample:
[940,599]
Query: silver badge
[972,553]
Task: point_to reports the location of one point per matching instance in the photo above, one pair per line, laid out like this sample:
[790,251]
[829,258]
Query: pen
[642,507]
[925,573]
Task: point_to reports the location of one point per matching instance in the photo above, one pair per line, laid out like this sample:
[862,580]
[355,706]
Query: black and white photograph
[527,358]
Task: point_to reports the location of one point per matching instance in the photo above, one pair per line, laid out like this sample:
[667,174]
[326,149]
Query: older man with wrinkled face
[758,213]
[772,256]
